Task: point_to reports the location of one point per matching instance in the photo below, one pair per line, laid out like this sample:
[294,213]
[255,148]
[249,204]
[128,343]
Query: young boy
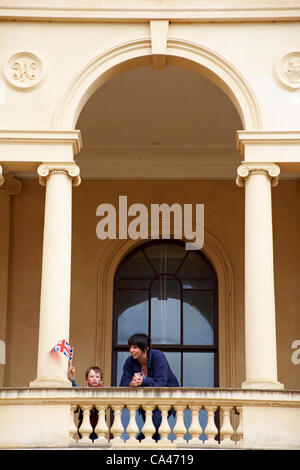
[93,377]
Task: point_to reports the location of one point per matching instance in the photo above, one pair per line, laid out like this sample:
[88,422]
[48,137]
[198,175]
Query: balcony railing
[122,418]
[120,425]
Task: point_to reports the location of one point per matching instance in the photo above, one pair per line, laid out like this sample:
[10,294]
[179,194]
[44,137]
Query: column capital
[245,169]
[10,184]
[1,176]
[71,169]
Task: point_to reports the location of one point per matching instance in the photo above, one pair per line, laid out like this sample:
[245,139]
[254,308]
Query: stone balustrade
[122,426]
[123,418]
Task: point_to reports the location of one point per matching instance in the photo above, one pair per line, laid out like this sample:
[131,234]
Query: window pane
[174,361]
[197,284]
[132,314]
[134,283]
[198,369]
[165,258]
[121,358]
[165,311]
[195,267]
[137,266]
[198,317]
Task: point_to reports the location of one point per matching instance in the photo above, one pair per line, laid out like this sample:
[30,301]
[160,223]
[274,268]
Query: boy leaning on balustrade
[94,379]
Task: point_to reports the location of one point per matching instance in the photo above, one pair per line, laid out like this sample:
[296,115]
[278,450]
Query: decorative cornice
[251,138]
[143,10]
[42,137]
[71,169]
[244,170]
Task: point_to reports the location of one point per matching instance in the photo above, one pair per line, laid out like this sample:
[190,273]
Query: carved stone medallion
[288,70]
[23,71]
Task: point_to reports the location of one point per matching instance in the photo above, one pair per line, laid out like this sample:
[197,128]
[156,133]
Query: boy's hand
[72,373]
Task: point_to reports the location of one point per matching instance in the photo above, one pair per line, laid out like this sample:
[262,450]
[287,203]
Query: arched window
[172,295]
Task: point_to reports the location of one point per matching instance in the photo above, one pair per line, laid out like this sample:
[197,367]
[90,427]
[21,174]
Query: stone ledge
[147,395]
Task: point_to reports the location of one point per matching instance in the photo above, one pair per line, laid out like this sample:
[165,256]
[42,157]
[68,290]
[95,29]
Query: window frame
[181,348]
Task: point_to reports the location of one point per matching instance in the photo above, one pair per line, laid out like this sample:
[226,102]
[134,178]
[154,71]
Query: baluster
[101,428]
[86,428]
[179,428]
[226,430]
[73,432]
[195,429]
[164,429]
[148,429]
[239,431]
[132,428]
[117,427]
[211,429]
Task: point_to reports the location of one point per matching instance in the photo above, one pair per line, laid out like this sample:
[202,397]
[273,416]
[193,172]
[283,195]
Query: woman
[146,367]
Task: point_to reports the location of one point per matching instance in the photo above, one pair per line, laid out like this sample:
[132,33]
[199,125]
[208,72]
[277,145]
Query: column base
[260,384]
[51,382]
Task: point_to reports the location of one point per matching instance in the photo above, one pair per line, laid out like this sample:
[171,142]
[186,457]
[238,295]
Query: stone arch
[216,254]
[137,53]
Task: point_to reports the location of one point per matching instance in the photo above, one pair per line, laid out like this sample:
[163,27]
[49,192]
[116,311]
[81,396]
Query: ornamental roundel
[288,70]
[23,71]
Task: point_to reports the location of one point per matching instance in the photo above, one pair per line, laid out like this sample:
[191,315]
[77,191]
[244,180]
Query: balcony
[204,419]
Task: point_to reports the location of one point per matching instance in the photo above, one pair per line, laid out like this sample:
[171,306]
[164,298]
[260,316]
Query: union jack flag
[64,348]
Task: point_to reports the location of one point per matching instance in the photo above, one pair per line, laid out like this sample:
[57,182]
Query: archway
[208,64]
[136,53]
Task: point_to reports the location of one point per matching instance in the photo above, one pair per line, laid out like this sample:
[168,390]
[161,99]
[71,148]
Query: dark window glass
[171,294]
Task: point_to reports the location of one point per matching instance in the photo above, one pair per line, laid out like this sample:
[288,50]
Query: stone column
[260,320]
[56,272]
[3,276]
[11,187]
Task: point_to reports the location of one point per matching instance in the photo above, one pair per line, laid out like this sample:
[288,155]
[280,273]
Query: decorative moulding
[179,52]
[257,137]
[288,70]
[282,147]
[141,10]
[23,71]
[159,36]
[46,137]
[21,150]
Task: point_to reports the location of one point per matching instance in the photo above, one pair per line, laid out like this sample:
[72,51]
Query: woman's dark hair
[141,340]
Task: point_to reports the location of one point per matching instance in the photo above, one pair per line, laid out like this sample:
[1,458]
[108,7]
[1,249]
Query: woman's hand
[137,380]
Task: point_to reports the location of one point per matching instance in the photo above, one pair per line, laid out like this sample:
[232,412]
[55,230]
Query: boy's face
[94,379]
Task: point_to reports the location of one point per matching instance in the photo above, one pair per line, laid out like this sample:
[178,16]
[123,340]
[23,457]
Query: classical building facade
[150,158]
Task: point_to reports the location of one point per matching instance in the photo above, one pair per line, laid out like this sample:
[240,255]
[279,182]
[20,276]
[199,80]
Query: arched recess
[214,251]
[181,53]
